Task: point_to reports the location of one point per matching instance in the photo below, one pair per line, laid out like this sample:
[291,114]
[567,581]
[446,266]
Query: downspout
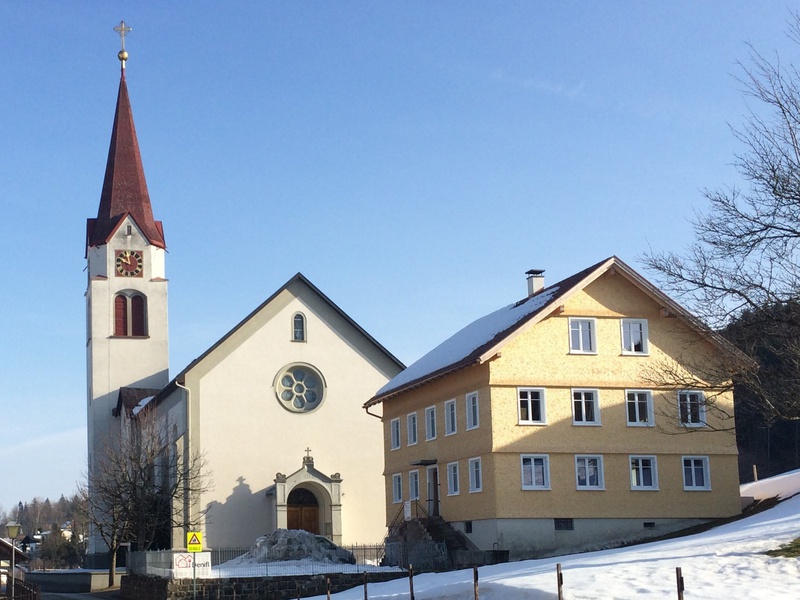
[186,454]
[373,414]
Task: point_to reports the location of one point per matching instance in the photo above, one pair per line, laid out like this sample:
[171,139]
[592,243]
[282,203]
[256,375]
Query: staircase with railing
[430,543]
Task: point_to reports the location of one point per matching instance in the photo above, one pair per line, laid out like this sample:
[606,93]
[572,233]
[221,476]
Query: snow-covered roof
[482,339]
[469,345]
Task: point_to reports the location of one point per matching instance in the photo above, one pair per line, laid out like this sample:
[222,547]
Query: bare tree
[140,486]
[744,269]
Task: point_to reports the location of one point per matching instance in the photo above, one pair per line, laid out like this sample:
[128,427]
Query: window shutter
[120,315]
[137,316]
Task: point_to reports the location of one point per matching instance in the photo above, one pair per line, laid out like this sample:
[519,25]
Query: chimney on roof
[535,281]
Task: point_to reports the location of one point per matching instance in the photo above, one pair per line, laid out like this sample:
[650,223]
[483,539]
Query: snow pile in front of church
[293,552]
[294,544]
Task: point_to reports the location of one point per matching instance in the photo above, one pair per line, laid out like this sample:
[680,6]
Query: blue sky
[412,159]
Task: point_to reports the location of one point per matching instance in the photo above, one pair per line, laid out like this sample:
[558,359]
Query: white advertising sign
[182,564]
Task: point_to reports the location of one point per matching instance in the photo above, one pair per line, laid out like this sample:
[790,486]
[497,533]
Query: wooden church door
[302,511]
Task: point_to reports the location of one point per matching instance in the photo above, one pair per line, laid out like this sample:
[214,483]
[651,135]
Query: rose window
[300,388]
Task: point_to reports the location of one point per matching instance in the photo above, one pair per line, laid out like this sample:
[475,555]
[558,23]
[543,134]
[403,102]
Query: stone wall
[137,587]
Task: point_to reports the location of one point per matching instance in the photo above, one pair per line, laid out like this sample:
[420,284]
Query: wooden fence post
[411,581]
[366,597]
[329,587]
[475,581]
[560,580]
[679,581]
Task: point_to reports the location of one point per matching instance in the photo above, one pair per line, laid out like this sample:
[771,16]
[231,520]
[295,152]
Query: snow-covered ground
[726,563]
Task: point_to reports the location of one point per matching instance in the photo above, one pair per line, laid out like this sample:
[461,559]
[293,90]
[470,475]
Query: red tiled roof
[124,188]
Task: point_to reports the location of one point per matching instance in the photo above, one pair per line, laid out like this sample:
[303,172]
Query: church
[274,406]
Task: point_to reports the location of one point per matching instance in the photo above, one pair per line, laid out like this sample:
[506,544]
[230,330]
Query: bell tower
[126,296]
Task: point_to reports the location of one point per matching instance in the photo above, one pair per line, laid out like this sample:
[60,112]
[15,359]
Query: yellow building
[582,416]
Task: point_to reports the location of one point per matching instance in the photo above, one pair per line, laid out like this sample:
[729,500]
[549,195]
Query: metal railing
[225,563]
[22,590]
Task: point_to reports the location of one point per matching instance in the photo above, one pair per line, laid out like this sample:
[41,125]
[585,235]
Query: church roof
[130,397]
[481,340]
[180,378]
[124,187]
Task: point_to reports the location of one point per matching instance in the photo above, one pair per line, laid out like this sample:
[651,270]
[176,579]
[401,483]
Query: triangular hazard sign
[194,539]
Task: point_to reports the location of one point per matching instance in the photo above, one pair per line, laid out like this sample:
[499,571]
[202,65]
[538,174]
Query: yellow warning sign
[194,541]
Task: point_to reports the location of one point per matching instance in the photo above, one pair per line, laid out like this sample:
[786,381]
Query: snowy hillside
[725,563]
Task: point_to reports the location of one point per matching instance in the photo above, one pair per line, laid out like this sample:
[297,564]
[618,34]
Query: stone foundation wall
[137,587]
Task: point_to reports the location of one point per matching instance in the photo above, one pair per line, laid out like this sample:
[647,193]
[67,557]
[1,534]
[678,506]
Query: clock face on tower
[129,263]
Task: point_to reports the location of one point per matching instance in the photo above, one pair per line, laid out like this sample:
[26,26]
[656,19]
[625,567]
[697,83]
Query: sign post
[194,544]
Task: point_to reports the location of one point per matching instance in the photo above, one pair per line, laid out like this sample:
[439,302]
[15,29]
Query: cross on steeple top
[308,452]
[122,29]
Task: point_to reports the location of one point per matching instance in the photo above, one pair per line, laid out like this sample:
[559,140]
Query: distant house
[541,427]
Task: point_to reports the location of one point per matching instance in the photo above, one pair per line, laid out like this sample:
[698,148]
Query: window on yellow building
[582,337]
[473,415]
[475,475]
[411,427]
[585,407]
[531,406]
[394,428]
[644,475]
[696,476]
[634,336]
[450,417]
[535,471]
[413,485]
[639,408]
[397,488]
[589,472]
[692,408]
[452,479]
[430,423]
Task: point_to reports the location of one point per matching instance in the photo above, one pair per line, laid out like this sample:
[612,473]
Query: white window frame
[530,402]
[299,333]
[630,350]
[397,488]
[650,421]
[475,475]
[578,345]
[689,485]
[394,433]
[473,411]
[582,462]
[634,469]
[544,459]
[450,418]
[690,421]
[430,423]
[596,407]
[453,483]
[412,434]
[413,485]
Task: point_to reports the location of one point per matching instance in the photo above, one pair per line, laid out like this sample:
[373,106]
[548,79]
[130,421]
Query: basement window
[564,524]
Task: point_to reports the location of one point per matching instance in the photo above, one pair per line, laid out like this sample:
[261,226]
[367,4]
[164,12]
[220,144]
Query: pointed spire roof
[124,188]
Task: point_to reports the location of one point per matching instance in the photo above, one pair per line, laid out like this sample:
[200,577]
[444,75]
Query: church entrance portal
[302,511]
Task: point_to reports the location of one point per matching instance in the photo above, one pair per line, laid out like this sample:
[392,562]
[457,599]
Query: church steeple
[124,188]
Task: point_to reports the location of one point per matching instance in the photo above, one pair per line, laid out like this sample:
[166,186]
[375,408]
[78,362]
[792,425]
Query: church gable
[277,319]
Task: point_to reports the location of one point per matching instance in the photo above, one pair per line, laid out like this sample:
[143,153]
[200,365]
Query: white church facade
[275,406]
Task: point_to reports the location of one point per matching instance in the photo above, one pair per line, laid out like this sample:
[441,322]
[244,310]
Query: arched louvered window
[299,328]
[130,315]
[121,315]
[137,315]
